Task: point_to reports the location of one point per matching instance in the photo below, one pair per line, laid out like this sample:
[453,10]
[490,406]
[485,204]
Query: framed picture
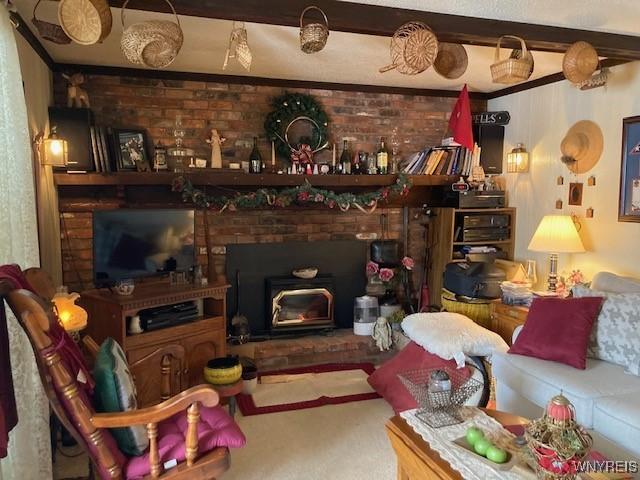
[629,209]
[575,193]
[131,149]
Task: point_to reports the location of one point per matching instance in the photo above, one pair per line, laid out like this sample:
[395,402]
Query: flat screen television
[141,243]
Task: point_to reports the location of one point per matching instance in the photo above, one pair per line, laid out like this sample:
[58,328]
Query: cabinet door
[148,375]
[199,349]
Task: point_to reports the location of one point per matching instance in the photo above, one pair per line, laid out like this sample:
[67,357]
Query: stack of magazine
[444,160]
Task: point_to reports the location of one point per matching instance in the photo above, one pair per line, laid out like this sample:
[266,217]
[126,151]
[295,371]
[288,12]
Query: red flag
[460,120]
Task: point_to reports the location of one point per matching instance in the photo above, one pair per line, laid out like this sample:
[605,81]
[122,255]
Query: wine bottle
[345,158]
[255,159]
[382,158]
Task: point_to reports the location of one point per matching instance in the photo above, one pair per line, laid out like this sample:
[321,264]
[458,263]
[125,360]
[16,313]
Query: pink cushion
[558,329]
[385,379]
[216,429]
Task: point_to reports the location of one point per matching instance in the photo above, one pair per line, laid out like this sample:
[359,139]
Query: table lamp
[556,234]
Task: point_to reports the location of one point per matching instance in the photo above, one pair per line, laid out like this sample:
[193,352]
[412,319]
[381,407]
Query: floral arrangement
[303,155]
[564,285]
[387,275]
[301,195]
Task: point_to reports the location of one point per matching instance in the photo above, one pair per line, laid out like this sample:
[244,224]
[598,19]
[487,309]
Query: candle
[333,161]
[273,153]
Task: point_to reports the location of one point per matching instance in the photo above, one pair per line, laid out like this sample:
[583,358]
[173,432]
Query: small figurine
[382,334]
[216,153]
[76,95]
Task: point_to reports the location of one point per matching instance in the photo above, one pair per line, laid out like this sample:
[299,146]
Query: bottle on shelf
[382,158]
[345,158]
[359,163]
[255,159]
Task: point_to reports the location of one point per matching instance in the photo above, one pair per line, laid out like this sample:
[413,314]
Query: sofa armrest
[515,333]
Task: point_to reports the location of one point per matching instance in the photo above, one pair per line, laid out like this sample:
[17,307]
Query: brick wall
[238,111]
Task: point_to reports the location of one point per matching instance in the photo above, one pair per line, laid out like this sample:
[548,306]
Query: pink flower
[303,196]
[408,263]
[318,198]
[386,274]
[372,269]
[331,204]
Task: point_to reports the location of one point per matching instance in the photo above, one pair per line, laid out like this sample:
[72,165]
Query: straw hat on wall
[582,146]
[451,61]
[580,62]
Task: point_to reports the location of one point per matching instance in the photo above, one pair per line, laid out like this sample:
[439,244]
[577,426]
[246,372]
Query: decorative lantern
[557,442]
[518,159]
[53,149]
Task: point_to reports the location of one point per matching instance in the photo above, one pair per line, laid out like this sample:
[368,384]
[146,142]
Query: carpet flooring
[338,442]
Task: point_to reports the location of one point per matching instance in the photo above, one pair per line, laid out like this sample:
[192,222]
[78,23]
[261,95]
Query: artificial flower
[408,263]
[386,274]
[372,268]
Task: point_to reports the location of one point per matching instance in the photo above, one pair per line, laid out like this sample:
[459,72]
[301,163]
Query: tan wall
[540,118]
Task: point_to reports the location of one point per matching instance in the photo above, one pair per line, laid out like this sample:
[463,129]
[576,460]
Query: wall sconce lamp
[52,150]
[518,159]
[72,317]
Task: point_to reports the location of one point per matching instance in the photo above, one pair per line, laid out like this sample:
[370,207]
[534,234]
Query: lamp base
[552,280]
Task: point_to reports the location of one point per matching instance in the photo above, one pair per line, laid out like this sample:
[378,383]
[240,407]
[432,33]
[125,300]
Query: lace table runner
[441,440]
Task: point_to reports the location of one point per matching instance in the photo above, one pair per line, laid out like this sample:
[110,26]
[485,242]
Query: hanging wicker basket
[86,22]
[512,70]
[313,36]
[153,43]
[49,31]
[414,48]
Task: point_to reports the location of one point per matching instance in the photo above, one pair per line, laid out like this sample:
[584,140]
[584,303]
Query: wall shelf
[231,179]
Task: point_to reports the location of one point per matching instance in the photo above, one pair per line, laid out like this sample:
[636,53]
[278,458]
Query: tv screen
[140,243]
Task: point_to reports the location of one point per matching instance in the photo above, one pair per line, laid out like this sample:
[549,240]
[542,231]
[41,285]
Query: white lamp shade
[557,234]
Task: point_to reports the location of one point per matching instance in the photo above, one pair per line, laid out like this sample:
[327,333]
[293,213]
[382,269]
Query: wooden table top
[399,427]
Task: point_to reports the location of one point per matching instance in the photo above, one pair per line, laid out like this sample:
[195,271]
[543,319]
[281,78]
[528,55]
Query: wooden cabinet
[505,319]
[193,343]
[445,241]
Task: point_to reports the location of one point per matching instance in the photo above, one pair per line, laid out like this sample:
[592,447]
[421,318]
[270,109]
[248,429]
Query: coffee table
[417,461]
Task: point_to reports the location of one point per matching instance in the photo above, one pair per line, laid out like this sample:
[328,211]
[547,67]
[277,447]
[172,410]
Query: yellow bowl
[223,371]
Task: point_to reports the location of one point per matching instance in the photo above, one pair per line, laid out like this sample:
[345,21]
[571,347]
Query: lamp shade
[558,234]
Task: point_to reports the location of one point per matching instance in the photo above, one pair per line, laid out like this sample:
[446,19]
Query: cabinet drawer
[508,311]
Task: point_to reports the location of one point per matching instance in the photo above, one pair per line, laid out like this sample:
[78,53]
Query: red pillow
[385,379]
[558,329]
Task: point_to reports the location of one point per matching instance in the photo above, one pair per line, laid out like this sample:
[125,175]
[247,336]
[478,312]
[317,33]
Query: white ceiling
[348,58]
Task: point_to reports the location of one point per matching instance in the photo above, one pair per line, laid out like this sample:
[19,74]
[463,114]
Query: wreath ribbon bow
[304,154]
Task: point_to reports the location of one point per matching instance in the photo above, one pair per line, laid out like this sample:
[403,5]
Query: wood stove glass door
[302,307]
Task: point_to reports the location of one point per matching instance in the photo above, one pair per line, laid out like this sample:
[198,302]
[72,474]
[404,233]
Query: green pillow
[116,392]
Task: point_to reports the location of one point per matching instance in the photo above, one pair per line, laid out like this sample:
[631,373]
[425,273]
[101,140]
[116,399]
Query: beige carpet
[337,442]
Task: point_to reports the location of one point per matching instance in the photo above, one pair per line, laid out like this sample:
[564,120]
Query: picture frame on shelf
[629,200]
[131,149]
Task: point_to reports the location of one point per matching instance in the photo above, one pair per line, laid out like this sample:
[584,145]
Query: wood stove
[299,304]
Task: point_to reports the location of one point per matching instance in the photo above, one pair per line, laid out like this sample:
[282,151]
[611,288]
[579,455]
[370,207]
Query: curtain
[29,448]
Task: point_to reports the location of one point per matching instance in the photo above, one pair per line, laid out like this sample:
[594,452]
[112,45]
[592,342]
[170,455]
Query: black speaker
[491,139]
[74,126]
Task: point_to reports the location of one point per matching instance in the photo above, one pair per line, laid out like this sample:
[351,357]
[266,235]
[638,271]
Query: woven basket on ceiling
[313,36]
[512,70]
[414,48]
[154,43]
[85,21]
[49,31]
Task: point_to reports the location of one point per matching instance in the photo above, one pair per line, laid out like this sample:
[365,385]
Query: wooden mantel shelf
[231,179]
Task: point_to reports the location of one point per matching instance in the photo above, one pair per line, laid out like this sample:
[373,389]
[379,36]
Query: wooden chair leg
[154,458]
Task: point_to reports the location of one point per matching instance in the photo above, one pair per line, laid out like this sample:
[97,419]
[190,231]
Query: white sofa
[606,399]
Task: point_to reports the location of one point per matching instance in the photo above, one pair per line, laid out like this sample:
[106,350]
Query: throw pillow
[616,335]
[115,391]
[386,382]
[452,335]
[558,329]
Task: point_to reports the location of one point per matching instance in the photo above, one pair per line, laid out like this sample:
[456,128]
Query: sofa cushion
[115,391]
[558,329]
[539,380]
[618,418]
[215,429]
[612,283]
[616,334]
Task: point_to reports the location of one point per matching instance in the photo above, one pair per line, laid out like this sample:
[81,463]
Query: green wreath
[289,107]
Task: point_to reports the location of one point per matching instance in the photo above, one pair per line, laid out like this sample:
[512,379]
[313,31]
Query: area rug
[308,387]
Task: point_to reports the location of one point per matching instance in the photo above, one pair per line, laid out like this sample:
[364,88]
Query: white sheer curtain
[29,449]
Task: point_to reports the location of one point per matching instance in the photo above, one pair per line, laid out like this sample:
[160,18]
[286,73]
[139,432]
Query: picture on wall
[131,149]
[630,174]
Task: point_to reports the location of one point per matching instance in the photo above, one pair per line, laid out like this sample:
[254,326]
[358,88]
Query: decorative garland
[287,108]
[301,195]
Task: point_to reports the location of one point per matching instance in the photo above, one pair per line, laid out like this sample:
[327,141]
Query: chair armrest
[91,346]
[204,394]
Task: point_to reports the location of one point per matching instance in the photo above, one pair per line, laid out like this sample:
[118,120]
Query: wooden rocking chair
[75,411]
